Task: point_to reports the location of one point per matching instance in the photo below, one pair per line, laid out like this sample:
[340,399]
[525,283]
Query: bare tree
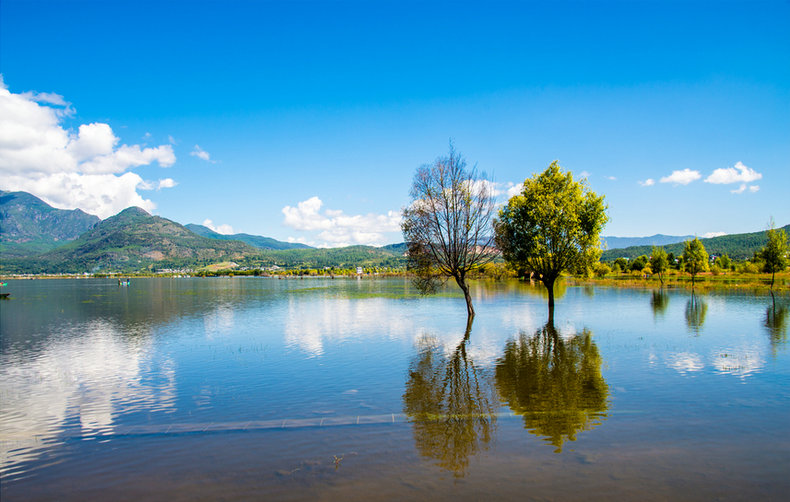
[447,227]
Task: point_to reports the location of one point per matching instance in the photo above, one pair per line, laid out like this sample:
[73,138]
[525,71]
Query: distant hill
[253,240]
[736,246]
[133,240]
[347,257]
[30,226]
[654,240]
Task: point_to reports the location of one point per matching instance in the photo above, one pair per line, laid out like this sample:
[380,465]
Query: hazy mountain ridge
[30,226]
[257,241]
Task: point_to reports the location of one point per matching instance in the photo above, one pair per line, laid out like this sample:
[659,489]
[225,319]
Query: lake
[359,389]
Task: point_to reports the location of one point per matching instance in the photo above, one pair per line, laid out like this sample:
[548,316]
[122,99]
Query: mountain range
[134,240]
[736,246]
[37,238]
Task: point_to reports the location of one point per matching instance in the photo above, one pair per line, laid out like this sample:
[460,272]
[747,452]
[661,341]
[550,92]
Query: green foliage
[659,263]
[639,263]
[774,254]
[695,258]
[601,269]
[621,264]
[552,226]
[723,262]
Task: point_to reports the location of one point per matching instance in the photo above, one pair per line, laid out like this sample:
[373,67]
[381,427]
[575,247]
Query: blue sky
[307,120]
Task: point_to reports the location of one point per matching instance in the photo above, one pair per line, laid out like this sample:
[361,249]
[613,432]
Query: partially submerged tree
[774,254]
[551,226]
[695,258]
[447,226]
[659,262]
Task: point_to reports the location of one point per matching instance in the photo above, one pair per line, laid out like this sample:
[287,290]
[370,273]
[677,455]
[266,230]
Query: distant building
[359,270]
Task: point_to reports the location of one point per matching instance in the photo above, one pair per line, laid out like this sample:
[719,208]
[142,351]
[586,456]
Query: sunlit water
[254,388]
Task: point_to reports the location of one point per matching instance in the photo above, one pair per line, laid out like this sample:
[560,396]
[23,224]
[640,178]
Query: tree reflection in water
[659,302]
[696,310]
[450,403]
[554,383]
[776,322]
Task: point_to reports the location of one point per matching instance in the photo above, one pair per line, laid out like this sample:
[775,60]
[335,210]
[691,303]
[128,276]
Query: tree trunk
[470,311]
[549,283]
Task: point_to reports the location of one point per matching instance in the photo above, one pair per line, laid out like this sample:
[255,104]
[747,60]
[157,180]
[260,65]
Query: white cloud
[201,154]
[738,174]
[223,229]
[744,187]
[166,183]
[611,178]
[714,234]
[67,168]
[648,182]
[513,189]
[584,174]
[683,177]
[338,229]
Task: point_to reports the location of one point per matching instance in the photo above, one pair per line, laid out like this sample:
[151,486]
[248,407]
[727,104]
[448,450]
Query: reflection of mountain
[554,383]
[450,403]
[79,381]
[696,310]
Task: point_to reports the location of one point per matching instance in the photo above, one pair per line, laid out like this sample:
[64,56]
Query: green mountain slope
[737,246]
[134,240]
[253,240]
[30,226]
[347,257]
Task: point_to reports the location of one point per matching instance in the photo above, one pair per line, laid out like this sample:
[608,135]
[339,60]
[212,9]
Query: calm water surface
[254,388]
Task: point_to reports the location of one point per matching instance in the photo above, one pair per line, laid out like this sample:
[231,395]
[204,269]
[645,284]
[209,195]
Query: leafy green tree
[447,226]
[774,254]
[639,263]
[659,262]
[695,258]
[621,263]
[724,262]
[551,226]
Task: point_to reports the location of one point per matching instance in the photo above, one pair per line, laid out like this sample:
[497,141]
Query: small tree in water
[695,258]
[551,226]
[447,227]
[659,262]
[774,254]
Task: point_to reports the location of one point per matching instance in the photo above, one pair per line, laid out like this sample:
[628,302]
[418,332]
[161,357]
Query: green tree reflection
[659,302]
[554,383]
[776,322]
[696,310]
[450,403]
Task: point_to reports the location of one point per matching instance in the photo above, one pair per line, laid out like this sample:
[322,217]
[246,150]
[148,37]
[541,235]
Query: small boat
[5,296]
